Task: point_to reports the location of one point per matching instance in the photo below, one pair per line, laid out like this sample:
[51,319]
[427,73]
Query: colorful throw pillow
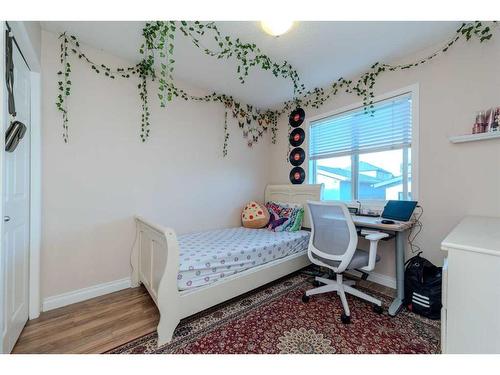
[254,215]
[275,221]
[285,216]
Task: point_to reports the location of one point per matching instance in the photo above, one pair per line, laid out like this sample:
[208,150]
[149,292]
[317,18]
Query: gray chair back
[333,234]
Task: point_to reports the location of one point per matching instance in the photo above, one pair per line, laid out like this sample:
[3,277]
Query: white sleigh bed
[155,263]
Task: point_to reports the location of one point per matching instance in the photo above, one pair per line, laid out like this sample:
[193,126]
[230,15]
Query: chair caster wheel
[346,319]
[316,283]
[305,298]
[378,309]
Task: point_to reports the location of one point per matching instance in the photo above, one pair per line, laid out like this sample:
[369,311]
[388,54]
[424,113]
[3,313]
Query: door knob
[6,218]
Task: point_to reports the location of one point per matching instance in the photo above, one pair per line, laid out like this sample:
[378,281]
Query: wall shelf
[475,137]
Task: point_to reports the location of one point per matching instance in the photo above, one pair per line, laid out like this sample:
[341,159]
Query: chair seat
[359,260]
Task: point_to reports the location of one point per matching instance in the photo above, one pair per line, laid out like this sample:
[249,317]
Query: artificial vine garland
[364,86]
[158,47]
[144,69]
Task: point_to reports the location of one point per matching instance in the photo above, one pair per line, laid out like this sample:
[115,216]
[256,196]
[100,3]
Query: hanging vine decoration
[64,85]
[159,38]
[364,86]
[159,44]
[144,69]
[226,135]
[158,47]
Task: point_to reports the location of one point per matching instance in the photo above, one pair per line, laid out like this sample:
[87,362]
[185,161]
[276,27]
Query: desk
[400,229]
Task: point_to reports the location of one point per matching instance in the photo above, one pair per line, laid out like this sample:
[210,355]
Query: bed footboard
[155,264]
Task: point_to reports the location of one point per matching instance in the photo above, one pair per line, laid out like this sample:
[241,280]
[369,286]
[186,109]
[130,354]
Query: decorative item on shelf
[297,175]
[486,121]
[296,137]
[492,119]
[480,124]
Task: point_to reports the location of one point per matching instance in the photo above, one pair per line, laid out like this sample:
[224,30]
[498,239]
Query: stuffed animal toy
[254,215]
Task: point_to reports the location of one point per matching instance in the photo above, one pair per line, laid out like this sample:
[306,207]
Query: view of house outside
[380,176]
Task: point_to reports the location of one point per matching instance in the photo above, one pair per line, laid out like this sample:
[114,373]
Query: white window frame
[412,90]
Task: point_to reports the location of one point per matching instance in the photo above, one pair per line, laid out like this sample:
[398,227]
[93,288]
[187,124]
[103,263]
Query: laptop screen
[399,210]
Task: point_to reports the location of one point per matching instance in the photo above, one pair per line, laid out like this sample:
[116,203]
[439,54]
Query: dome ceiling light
[276,27]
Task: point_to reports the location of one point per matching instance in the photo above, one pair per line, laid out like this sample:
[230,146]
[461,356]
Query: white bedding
[206,257]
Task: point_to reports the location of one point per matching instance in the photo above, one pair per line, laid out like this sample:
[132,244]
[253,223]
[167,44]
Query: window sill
[372,207]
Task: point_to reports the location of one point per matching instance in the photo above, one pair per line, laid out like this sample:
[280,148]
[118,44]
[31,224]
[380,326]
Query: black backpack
[423,287]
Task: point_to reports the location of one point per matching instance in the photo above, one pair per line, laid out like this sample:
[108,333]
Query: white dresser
[470,318]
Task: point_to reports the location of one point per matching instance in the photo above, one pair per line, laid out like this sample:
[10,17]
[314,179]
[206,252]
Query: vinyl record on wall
[297,175]
[297,137]
[296,117]
[297,156]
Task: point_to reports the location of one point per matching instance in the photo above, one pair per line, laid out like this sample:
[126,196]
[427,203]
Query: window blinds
[356,131]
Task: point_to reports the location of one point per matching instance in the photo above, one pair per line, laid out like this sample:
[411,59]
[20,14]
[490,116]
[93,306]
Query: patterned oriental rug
[273,319]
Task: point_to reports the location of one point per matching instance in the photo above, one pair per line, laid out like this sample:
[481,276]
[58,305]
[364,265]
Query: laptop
[399,210]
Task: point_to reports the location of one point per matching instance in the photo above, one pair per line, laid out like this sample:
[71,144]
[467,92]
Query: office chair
[332,245]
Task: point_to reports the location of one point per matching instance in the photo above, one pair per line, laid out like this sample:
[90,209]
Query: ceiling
[321,52]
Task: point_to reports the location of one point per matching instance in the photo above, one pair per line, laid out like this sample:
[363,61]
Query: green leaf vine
[364,86]
[144,69]
[158,62]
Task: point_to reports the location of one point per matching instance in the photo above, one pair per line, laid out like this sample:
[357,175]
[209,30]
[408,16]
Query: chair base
[342,287]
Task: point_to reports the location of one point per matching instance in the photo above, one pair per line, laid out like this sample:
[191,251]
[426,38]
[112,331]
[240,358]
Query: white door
[16,210]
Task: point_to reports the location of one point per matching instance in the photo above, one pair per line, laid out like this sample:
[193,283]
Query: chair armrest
[372,256]
[376,236]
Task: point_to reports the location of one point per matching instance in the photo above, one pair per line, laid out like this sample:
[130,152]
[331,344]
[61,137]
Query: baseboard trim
[377,278]
[80,295]
[65,299]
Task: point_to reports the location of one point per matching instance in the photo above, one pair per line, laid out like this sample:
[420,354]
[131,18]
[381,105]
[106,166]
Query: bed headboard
[295,194]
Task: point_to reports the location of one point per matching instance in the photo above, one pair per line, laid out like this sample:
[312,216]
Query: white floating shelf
[475,137]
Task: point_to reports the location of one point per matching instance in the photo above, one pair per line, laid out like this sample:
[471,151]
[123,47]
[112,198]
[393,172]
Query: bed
[190,273]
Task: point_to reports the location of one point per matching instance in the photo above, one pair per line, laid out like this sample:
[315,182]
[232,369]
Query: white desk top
[475,233]
[375,222]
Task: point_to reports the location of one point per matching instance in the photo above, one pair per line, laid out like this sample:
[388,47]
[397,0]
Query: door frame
[29,51]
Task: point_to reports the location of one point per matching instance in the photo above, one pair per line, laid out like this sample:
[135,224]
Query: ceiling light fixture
[276,27]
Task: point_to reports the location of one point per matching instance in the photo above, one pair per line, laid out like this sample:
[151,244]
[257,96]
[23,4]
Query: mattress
[206,257]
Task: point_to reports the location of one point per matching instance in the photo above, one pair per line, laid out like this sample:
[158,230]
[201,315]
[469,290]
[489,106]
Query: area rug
[273,319]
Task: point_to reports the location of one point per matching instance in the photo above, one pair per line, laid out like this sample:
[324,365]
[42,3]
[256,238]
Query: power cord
[415,231]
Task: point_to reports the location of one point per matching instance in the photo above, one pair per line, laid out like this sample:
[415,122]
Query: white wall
[94,185]
[455,180]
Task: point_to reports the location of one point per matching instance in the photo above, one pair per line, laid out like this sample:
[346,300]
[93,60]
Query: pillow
[254,215]
[275,221]
[285,216]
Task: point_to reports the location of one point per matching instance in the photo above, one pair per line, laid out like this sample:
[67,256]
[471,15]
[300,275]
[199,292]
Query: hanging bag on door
[13,135]
[16,130]
[423,287]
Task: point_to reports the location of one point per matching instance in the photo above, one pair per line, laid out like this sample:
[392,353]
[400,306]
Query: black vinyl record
[297,156]
[296,117]
[297,175]
[297,137]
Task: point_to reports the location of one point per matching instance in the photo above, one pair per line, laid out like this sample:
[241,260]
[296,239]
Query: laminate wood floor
[103,323]
[93,326]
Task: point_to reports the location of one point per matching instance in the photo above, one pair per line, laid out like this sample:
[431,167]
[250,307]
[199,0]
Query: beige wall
[454,180]
[94,185]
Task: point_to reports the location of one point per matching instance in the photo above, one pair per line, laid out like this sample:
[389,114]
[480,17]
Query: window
[364,156]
